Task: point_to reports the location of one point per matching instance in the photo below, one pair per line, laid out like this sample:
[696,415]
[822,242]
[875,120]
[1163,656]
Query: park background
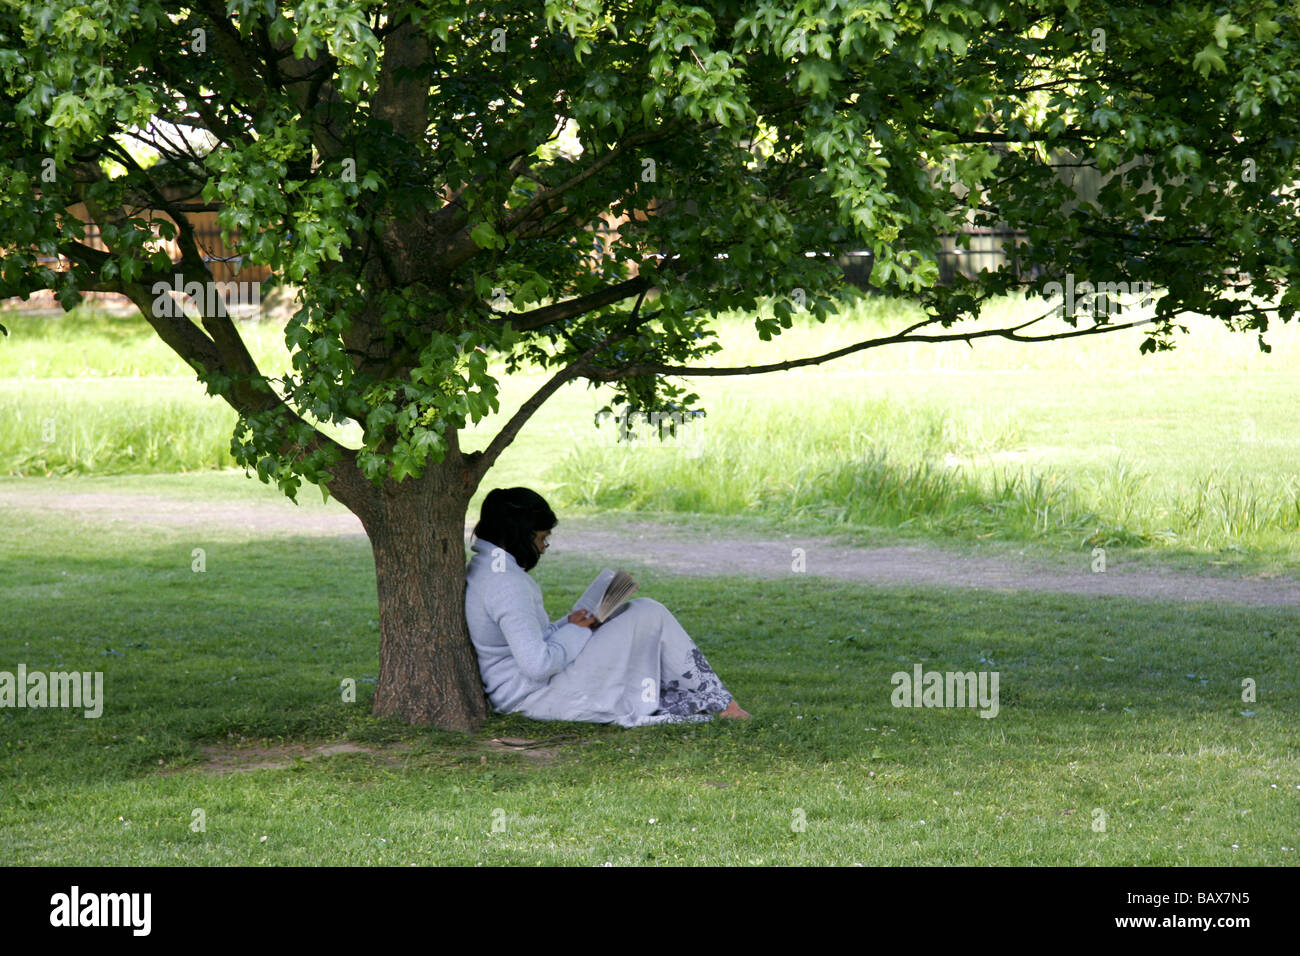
[1122,737]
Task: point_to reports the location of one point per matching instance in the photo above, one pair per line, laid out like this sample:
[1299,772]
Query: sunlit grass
[1075,443]
[91,344]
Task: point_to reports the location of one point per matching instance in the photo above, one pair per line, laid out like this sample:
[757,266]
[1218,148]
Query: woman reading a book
[632,666]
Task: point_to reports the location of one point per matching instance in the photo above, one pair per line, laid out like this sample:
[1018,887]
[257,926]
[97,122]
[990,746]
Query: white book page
[591,598]
[620,589]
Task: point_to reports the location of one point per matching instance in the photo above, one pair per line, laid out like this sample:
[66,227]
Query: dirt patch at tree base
[539,751]
[226,758]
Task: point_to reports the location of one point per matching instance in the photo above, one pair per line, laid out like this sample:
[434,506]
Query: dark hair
[510,517]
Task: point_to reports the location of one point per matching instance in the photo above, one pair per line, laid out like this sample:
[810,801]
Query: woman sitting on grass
[639,668]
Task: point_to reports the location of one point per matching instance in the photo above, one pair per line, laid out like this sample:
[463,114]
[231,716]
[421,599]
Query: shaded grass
[1126,707]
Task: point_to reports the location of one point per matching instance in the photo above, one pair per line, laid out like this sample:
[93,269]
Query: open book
[607,592]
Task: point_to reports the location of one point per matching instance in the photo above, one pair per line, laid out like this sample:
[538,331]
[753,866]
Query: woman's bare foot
[733,710]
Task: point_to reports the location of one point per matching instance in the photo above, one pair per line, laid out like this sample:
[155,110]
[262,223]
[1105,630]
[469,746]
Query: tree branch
[899,337]
[478,462]
[571,308]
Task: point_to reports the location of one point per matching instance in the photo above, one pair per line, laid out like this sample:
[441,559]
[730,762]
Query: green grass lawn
[1110,710]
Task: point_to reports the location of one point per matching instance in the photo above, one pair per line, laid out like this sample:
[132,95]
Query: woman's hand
[584,618]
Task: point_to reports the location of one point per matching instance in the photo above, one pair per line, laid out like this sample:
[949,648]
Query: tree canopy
[404,165]
[436,179]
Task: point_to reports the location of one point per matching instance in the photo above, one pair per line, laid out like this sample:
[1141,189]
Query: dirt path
[678,550]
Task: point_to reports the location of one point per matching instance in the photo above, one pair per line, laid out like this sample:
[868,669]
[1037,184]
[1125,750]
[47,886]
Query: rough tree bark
[428,673]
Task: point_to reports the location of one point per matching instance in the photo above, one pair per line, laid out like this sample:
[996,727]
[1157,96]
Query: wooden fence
[238,286]
[989,249]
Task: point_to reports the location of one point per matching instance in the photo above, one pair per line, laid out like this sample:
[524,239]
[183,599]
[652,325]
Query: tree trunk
[428,672]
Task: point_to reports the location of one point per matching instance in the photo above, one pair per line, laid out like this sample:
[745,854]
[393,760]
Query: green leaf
[1265,30]
[1225,29]
[280,31]
[1208,60]
[486,237]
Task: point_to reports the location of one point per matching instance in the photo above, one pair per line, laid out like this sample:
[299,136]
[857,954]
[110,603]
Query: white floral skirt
[639,668]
